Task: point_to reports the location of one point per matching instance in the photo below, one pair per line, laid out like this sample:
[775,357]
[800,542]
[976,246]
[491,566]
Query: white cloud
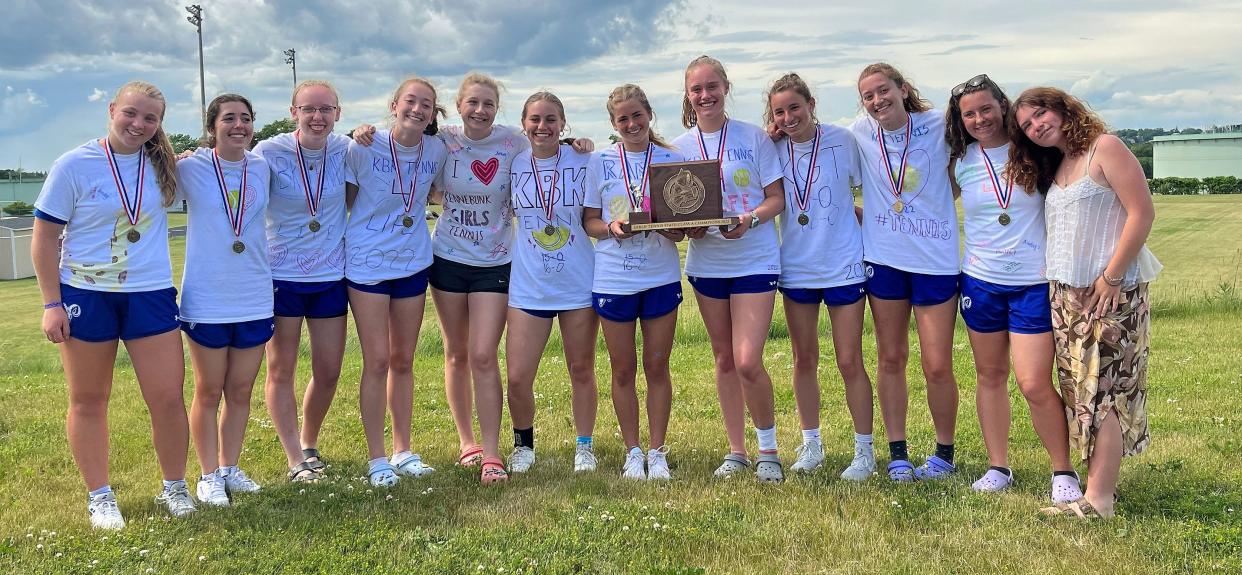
[19,109]
[96,95]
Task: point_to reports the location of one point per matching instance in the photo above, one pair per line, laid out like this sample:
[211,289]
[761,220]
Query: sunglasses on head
[977,81]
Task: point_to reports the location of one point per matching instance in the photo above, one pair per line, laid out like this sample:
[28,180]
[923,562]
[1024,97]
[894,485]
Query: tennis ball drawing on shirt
[741,178]
[551,242]
[618,208]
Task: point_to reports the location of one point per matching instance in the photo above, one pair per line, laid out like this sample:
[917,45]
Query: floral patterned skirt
[1102,366]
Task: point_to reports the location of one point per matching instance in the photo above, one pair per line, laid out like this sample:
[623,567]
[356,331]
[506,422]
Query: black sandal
[303,472]
[311,458]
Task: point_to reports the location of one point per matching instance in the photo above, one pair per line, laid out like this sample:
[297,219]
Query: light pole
[291,58]
[196,18]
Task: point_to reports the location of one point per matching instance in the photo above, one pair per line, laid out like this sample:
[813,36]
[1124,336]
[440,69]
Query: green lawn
[1179,512]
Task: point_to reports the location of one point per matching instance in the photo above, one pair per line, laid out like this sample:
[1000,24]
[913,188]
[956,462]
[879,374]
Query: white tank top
[1084,222]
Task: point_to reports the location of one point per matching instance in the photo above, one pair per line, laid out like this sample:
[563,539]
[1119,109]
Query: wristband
[1111,280]
[52,305]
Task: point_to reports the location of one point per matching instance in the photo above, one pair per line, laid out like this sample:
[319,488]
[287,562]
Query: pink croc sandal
[493,471]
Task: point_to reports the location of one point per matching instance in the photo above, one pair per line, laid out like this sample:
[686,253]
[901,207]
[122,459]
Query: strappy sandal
[1081,509]
[311,458]
[493,471]
[303,473]
[471,456]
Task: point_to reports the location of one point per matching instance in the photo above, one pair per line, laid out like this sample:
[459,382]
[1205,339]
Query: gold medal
[133,236]
[407,221]
[898,206]
[804,219]
[313,225]
[238,247]
[1003,219]
[549,230]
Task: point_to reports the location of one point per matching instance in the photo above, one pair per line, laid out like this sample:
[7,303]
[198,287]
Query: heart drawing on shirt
[308,259]
[485,171]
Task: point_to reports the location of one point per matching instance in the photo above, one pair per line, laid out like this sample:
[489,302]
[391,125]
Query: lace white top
[1084,221]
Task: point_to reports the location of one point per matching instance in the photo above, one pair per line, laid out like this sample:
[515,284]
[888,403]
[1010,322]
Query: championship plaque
[683,195]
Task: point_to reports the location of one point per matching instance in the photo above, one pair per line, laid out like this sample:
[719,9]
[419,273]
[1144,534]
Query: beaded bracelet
[52,305]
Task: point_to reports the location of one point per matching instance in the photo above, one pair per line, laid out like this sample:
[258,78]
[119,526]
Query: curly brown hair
[1033,166]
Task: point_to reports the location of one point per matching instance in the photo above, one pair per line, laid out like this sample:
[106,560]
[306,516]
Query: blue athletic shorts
[988,307]
[647,304]
[240,335]
[315,300]
[833,296]
[98,316]
[722,288]
[410,286]
[887,282]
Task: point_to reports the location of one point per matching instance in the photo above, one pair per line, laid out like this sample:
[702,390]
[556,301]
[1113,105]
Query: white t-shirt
[378,246]
[643,261]
[476,228]
[1004,254]
[297,253]
[96,253]
[750,163]
[828,250]
[219,285]
[551,272]
[923,238]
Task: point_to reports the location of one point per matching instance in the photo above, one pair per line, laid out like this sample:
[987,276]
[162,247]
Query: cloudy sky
[1140,63]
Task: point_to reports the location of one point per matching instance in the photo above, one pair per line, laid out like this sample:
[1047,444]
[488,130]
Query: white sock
[861,438]
[227,470]
[636,450]
[400,457]
[767,439]
[810,435]
[169,484]
[376,463]
[208,476]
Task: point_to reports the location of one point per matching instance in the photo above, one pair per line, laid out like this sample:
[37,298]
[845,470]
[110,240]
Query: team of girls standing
[113,280]
[821,262]
[388,254]
[552,270]
[1004,299]
[637,282]
[1099,213]
[910,241]
[225,187]
[735,272]
[100,251]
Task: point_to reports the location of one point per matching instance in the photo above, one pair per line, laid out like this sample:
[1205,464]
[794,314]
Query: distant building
[1197,155]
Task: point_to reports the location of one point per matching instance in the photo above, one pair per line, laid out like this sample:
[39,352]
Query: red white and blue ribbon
[406,199]
[133,209]
[1002,197]
[548,203]
[724,136]
[638,198]
[312,198]
[802,197]
[237,214]
[899,181]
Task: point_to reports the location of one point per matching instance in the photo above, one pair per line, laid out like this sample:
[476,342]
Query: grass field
[1180,509]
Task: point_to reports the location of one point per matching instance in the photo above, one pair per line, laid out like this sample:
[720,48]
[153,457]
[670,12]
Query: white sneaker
[733,463]
[634,466]
[584,458]
[657,464]
[238,482]
[105,514]
[211,491]
[411,466]
[862,466]
[176,498]
[522,458]
[810,457]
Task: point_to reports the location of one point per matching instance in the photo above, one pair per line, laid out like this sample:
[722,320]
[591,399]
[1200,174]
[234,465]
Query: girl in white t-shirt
[1004,294]
[637,277]
[821,262]
[735,272]
[226,306]
[910,245]
[388,251]
[306,250]
[553,261]
[100,251]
